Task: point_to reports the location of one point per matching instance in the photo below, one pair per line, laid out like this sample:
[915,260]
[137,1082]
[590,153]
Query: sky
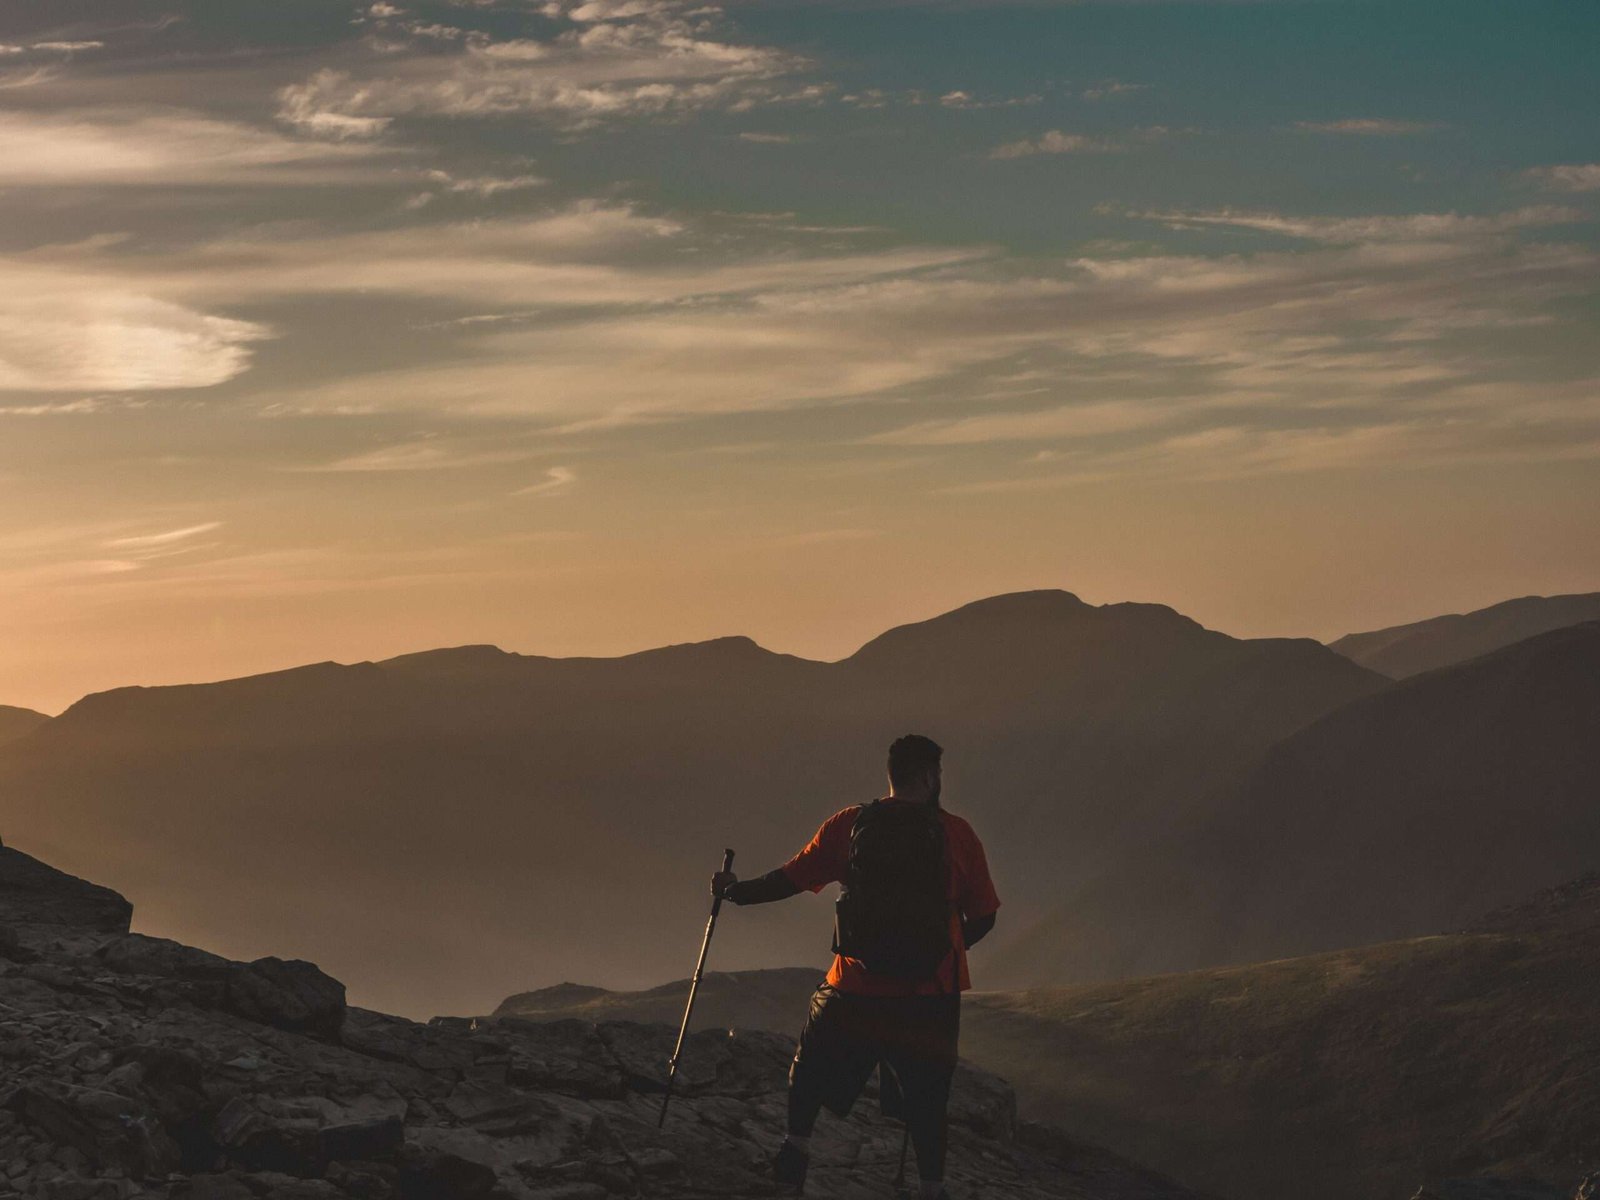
[336,331]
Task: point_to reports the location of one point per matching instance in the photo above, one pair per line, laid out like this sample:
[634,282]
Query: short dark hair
[911,755]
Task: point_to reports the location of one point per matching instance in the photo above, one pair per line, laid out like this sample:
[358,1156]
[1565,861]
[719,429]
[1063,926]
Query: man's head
[914,771]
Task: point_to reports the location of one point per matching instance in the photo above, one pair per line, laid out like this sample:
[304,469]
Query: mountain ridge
[1400,651]
[479,790]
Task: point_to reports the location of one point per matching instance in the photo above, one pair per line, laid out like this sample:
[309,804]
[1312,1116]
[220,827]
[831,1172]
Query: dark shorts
[846,1036]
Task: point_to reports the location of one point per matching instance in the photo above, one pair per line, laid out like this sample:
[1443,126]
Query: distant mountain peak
[1401,651]
[736,643]
[18,722]
[474,656]
[1024,614]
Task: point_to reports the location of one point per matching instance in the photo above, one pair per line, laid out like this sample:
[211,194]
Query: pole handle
[727,860]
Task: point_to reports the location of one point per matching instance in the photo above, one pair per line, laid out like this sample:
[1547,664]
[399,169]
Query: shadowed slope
[1401,813]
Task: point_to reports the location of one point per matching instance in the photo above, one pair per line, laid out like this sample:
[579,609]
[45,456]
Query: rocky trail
[133,1066]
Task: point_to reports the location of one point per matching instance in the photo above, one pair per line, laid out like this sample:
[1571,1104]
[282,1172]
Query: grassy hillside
[1359,1073]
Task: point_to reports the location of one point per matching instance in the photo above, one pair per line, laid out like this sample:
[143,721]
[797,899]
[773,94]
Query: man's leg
[926,1065]
[928,1140]
[805,1101]
[831,1065]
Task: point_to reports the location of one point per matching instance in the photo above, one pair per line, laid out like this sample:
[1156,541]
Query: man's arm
[818,864]
[774,885]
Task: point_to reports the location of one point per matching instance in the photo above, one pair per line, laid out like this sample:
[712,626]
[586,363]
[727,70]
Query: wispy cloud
[1050,424]
[556,480]
[608,62]
[1412,227]
[148,541]
[427,455]
[160,148]
[55,408]
[1566,177]
[1056,141]
[1370,127]
[486,185]
[1113,87]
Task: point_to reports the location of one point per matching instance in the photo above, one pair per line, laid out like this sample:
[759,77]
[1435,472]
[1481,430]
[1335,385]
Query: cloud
[427,455]
[615,60]
[584,254]
[966,100]
[1114,87]
[484,186]
[1073,421]
[157,148]
[1567,177]
[1369,127]
[48,47]
[148,541]
[54,408]
[556,479]
[1413,227]
[1054,141]
[61,331]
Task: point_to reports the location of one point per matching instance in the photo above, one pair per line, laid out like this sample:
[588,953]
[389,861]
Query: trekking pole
[694,986]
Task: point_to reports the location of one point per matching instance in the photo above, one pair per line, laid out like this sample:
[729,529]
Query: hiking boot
[789,1167]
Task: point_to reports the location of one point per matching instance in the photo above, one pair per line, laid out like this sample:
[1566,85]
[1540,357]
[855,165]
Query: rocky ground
[132,1066]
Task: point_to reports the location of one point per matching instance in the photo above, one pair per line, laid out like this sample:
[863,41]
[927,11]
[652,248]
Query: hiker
[917,895]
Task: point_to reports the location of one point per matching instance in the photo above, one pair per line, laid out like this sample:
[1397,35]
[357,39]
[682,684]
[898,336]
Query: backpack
[894,913]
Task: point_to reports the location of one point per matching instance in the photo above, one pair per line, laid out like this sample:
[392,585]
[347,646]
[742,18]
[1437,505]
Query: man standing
[917,895]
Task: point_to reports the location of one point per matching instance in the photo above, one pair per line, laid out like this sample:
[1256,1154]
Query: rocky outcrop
[32,893]
[137,1067]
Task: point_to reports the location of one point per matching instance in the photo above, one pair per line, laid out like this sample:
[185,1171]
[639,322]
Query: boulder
[286,994]
[429,1173]
[137,954]
[32,893]
[109,1129]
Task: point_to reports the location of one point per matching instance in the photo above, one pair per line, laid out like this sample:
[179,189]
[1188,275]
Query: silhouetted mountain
[18,722]
[138,1067]
[1405,650]
[1450,1060]
[1401,813]
[446,827]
